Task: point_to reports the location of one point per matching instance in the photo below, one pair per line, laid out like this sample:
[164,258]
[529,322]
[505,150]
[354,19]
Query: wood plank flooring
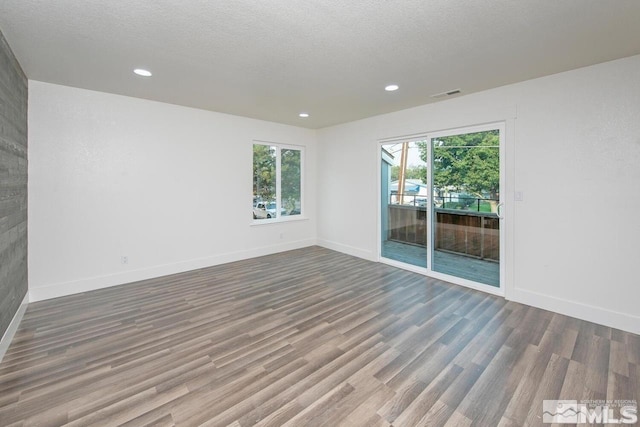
[304,338]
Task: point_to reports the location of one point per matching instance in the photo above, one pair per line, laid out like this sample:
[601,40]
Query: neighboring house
[415,192]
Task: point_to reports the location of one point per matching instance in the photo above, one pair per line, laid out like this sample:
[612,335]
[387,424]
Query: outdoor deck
[478,270]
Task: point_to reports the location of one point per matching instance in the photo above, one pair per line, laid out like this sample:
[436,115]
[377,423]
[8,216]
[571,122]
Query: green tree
[290,178]
[412,172]
[264,172]
[466,163]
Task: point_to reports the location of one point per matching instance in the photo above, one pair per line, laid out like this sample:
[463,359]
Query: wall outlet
[124,259]
[518,196]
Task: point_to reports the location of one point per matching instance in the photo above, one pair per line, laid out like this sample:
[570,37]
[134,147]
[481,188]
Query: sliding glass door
[466,206]
[440,209]
[404,202]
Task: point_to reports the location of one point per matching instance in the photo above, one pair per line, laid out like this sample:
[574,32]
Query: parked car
[260,211]
[419,201]
[271,209]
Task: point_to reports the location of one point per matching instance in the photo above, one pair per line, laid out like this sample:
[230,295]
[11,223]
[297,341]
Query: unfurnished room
[323,213]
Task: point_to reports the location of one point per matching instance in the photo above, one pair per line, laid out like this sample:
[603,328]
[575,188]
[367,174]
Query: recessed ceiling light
[142,72]
[304,115]
[391,88]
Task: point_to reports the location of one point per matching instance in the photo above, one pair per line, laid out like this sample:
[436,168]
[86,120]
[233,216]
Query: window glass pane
[291,182]
[466,194]
[405,202]
[264,181]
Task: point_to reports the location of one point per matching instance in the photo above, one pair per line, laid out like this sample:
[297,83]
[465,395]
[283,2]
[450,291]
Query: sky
[413,157]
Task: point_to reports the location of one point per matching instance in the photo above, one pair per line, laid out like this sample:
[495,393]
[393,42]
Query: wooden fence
[469,233]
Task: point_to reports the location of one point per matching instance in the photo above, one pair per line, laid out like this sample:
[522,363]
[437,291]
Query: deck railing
[465,232]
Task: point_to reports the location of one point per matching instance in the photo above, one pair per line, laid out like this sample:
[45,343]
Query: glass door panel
[404,202]
[466,197]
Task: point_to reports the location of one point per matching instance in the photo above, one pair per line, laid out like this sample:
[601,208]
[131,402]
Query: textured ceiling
[271,59]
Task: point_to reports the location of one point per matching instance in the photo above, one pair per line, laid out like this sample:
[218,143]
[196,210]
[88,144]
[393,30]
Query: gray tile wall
[13,185]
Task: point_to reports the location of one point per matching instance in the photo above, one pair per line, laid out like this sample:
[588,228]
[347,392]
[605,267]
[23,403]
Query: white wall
[573,149]
[170,186]
[167,186]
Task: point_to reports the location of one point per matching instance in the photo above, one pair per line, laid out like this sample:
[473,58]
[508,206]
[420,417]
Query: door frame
[501,126]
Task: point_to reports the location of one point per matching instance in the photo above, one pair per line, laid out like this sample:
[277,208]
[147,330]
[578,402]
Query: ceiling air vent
[448,93]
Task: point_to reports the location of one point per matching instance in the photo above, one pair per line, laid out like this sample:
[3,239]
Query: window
[277,181]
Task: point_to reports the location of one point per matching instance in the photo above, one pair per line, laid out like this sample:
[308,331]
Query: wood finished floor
[303,338]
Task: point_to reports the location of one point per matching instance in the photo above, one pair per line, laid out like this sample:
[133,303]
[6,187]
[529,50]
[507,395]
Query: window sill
[259,222]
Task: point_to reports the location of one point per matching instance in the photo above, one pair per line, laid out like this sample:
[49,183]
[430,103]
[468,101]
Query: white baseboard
[55,290]
[613,319]
[349,250]
[7,337]
[622,321]
[599,315]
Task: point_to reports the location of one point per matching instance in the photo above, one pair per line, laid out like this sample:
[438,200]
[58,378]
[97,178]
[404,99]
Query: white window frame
[279,147]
